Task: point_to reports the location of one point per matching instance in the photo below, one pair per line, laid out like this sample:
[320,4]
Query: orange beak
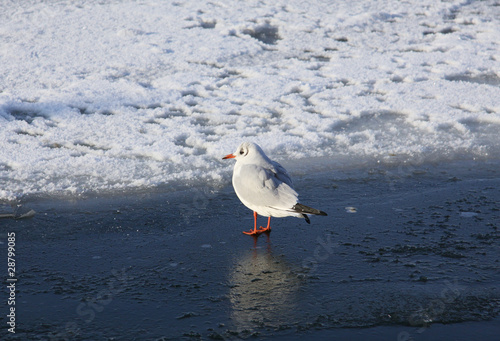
[228,156]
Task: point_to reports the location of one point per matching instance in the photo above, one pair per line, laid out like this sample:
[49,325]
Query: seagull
[265,187]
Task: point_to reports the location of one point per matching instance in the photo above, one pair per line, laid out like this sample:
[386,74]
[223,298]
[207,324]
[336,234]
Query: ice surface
[99,96]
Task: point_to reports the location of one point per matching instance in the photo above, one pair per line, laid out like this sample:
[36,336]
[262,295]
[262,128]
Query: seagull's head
[246,151]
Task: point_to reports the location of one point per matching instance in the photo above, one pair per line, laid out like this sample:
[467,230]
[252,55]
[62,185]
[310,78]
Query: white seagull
[265,187]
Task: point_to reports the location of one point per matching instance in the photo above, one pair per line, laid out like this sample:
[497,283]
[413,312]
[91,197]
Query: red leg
[268,228]
[256,231]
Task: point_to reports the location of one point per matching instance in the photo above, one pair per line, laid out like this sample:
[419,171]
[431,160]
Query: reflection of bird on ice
[263,291]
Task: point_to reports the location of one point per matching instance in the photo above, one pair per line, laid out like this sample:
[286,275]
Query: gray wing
[265,187]
[281,173]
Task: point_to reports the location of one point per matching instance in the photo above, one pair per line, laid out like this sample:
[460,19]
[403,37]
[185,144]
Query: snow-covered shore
[117,95]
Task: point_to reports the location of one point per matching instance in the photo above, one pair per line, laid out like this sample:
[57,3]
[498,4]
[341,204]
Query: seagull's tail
[299,208]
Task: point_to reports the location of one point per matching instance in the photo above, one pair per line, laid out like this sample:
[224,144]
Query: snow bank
[117,95]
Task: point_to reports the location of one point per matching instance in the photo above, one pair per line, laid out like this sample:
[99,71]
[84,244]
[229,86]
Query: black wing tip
[306,209]
[307,219]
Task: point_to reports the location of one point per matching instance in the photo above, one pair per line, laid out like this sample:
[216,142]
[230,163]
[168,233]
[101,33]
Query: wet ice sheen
[415,267]
[122,95]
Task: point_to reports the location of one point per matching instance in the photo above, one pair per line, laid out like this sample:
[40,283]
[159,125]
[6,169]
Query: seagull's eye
[242,152]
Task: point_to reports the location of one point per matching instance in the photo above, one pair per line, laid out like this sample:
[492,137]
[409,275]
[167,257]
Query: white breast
[265,189]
